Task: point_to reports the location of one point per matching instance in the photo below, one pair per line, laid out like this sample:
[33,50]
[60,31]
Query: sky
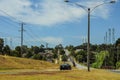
[56,22]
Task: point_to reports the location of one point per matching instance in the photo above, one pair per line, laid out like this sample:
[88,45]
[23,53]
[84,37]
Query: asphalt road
[78,66]
[116,71]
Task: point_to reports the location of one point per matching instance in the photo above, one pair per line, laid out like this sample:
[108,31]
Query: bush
[15,53]
[28,55]
[100,59]
[38,57]
[118,65]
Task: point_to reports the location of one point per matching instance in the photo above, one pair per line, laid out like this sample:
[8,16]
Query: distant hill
[7,62]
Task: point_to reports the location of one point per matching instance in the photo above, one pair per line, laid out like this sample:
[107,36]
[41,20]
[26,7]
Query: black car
[65,66]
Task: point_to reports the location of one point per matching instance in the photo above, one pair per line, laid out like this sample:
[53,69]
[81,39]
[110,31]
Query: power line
[9,15]
[9,22]
[32,32]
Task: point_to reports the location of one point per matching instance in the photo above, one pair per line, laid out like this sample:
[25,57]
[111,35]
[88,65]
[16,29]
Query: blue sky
[55,22]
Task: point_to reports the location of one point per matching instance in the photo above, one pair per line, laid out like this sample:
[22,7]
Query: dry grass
[7,62]
[28,69]
[62,75]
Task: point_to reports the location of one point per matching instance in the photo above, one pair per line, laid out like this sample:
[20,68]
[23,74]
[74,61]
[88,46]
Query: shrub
[118,65]
[38,57]
[100,59]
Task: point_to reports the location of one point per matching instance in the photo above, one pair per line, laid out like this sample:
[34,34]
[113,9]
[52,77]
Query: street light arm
[83,7]
[86,8]
[113,1]
[97,6]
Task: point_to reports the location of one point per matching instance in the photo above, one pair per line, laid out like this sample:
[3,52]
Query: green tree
[41,49]
[100,58]
[18,49]
[64,58]
[15,53]
[1,45]
[24,48]
[118,65]
[55,56]
[29,53]
[81,56]
[117,43]
[70,48]
[38,57]
[35,49]
[6,50]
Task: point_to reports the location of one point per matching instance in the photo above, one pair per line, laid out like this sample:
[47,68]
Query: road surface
[78,66]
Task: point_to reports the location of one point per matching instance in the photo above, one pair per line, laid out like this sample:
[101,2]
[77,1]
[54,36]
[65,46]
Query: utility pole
[88,44]
[106,37]
[89,10]
[109,36]
[11,43]
[5,43]
[113,35]
[46,45]
[22,30]
[104,40]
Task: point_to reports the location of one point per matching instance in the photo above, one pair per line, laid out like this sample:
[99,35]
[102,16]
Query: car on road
[65,66]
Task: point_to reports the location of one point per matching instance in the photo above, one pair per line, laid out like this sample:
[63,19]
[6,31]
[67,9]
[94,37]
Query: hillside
[7,62]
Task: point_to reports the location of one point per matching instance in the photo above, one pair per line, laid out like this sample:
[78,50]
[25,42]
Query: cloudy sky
[56,22]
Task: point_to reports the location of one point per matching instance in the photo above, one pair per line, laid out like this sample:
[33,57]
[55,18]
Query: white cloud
[49,12]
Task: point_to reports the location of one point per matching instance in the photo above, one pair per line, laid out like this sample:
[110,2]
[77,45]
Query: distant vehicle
[65,66]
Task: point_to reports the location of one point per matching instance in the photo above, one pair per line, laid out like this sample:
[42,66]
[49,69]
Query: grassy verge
[61,75]
[12,68]
[7,63]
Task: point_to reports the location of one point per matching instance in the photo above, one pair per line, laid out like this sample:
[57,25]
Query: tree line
[101,56]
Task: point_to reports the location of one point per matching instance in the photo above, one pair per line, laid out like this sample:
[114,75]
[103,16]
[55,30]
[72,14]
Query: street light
[89,10]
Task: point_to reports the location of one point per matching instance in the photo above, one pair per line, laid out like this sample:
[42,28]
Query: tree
[6,50]
[81,56]
[55,56]
[100,59]
[18,49]
[70,48]
[64,58]
[15,53]
[62,52]
[94,47]
[1,45]
[38,57]
[41,49]
[29,53]
[24,49]
[117,42]
[118,65]
[35,49]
